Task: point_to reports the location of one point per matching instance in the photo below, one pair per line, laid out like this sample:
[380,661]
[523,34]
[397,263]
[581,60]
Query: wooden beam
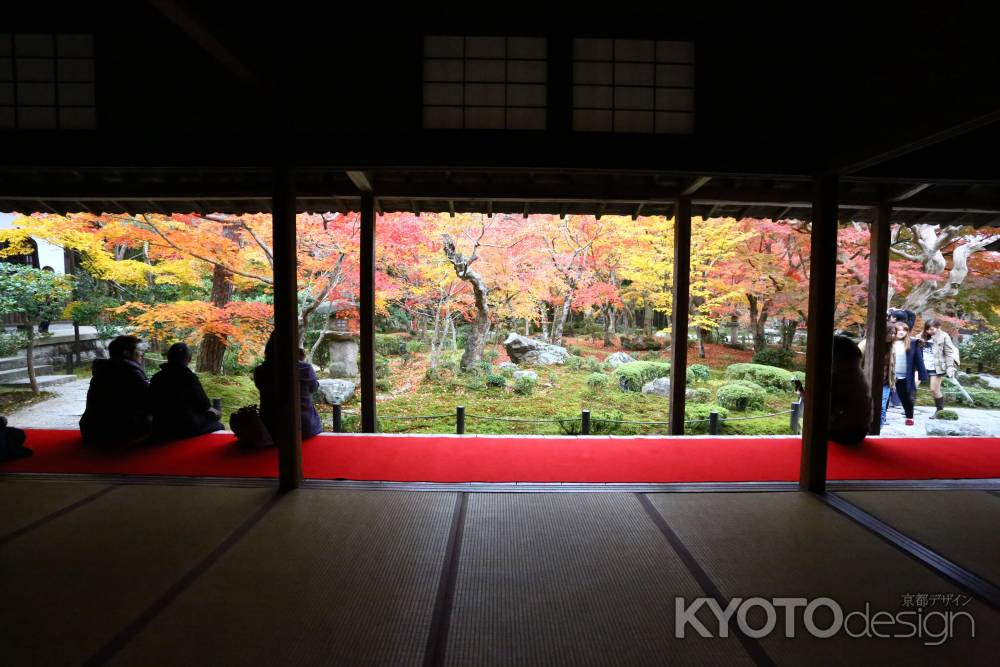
[819,352]
[367,313]
[910,192]
[288,421]
[679,316]
[850,167]
[878,303]
[695,185]
[362,180]
[201,36]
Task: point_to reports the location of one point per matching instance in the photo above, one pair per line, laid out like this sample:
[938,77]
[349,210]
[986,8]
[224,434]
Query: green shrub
[451,365]
[950,415]
[574,362]
[701,413]
[981,398]
[475,381]
[507,372]
[574,350]
[571,425]
[592,364]
[416,346]
[972,381]
[351,423]
[634,374]
[552,378]
[599,427]
[774,356]
[983,348]
[770,377]
[490,355]
[524,386]
[496,380]
[766,426]
[699,372]
[700,395]
[382,369]
[436,375]
[597,380]
[383,384]
[11,342]
[741,396]
[800,376]
[387,345]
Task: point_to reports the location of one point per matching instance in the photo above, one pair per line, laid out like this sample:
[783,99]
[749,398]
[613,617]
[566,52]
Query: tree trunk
[213,347]
[558,325]
[480,323]
[32,380]
[609,324]
[757,321]
[702,335]
[788,328]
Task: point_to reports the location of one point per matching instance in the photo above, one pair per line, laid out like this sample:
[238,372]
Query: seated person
[179,404]
[117,410]
[263,377]
[12,442]
[850,396]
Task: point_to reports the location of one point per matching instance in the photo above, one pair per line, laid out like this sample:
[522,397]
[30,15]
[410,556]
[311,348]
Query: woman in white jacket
[940,358]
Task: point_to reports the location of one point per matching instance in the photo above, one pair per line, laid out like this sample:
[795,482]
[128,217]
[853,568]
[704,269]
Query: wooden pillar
[878,303]
[367,361]
[288,435]
[819,353]
[679,325]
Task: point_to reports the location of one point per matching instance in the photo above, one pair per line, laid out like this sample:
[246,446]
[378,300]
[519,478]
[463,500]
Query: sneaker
[909,422]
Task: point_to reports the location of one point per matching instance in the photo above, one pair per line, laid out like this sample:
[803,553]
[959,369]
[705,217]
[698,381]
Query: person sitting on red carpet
[117,410]
[180,407]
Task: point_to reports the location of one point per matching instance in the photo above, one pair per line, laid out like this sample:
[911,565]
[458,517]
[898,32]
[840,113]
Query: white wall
[48,254]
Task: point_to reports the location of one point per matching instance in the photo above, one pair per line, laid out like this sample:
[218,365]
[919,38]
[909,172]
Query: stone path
[987,420]
[61,411]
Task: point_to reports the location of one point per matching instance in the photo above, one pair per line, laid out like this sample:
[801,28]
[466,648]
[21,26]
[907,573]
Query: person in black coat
[180,407]
[117,410]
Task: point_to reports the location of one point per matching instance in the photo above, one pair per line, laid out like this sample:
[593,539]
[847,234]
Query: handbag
[249,429]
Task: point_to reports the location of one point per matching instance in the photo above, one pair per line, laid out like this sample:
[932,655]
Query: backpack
[249,428]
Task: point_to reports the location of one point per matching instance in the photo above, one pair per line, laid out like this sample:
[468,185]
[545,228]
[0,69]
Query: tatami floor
[100,572]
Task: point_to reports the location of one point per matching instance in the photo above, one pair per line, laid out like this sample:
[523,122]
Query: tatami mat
[571,579]
[71,584]
[27,501]
[325,578]
[963,526]
[793,545]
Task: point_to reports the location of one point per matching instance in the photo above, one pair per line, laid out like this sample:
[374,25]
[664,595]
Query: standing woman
[940,357]
[905,361]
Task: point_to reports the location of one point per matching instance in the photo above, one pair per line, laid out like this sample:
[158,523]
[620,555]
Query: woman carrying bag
[940,357]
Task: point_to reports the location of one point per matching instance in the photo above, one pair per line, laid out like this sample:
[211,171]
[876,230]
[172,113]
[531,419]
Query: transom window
[632,85]
[485,82]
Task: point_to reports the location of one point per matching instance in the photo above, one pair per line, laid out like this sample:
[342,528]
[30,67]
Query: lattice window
[632,85]
[47,81]
[485,82]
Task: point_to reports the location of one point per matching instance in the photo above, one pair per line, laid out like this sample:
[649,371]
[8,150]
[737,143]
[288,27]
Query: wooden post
[679,326]
[288,435]
[793,424]
[460,419]
[878,303]
[367,300]
[338,418]
[585,422]
[713,423]
[819,352]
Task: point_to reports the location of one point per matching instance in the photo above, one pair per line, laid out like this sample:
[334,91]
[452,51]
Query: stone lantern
[343,344]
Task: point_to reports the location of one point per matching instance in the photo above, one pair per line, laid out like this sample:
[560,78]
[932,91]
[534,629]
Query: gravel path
[61,411]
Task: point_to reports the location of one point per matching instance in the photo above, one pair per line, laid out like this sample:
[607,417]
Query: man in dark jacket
[179,404]
[117,401]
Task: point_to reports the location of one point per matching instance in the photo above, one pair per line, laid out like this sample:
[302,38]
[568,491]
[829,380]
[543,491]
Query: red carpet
[523,459]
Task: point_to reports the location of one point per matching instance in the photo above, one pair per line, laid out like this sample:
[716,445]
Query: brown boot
[939,405]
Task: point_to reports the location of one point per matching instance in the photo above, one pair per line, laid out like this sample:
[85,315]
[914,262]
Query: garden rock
[335,391]
[507,366]
[659,387]
[619,358]
[945,427]
[531,375]
[529,350]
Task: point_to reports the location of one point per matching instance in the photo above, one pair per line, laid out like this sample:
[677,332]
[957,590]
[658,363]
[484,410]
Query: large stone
[619,358]
[947,427]
[531,375]
[507,366]
[522,350]
[335,391]
[659,387]
[343,347]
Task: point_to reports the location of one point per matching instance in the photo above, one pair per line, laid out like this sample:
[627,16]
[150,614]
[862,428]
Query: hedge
[769,377]
[741,396]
